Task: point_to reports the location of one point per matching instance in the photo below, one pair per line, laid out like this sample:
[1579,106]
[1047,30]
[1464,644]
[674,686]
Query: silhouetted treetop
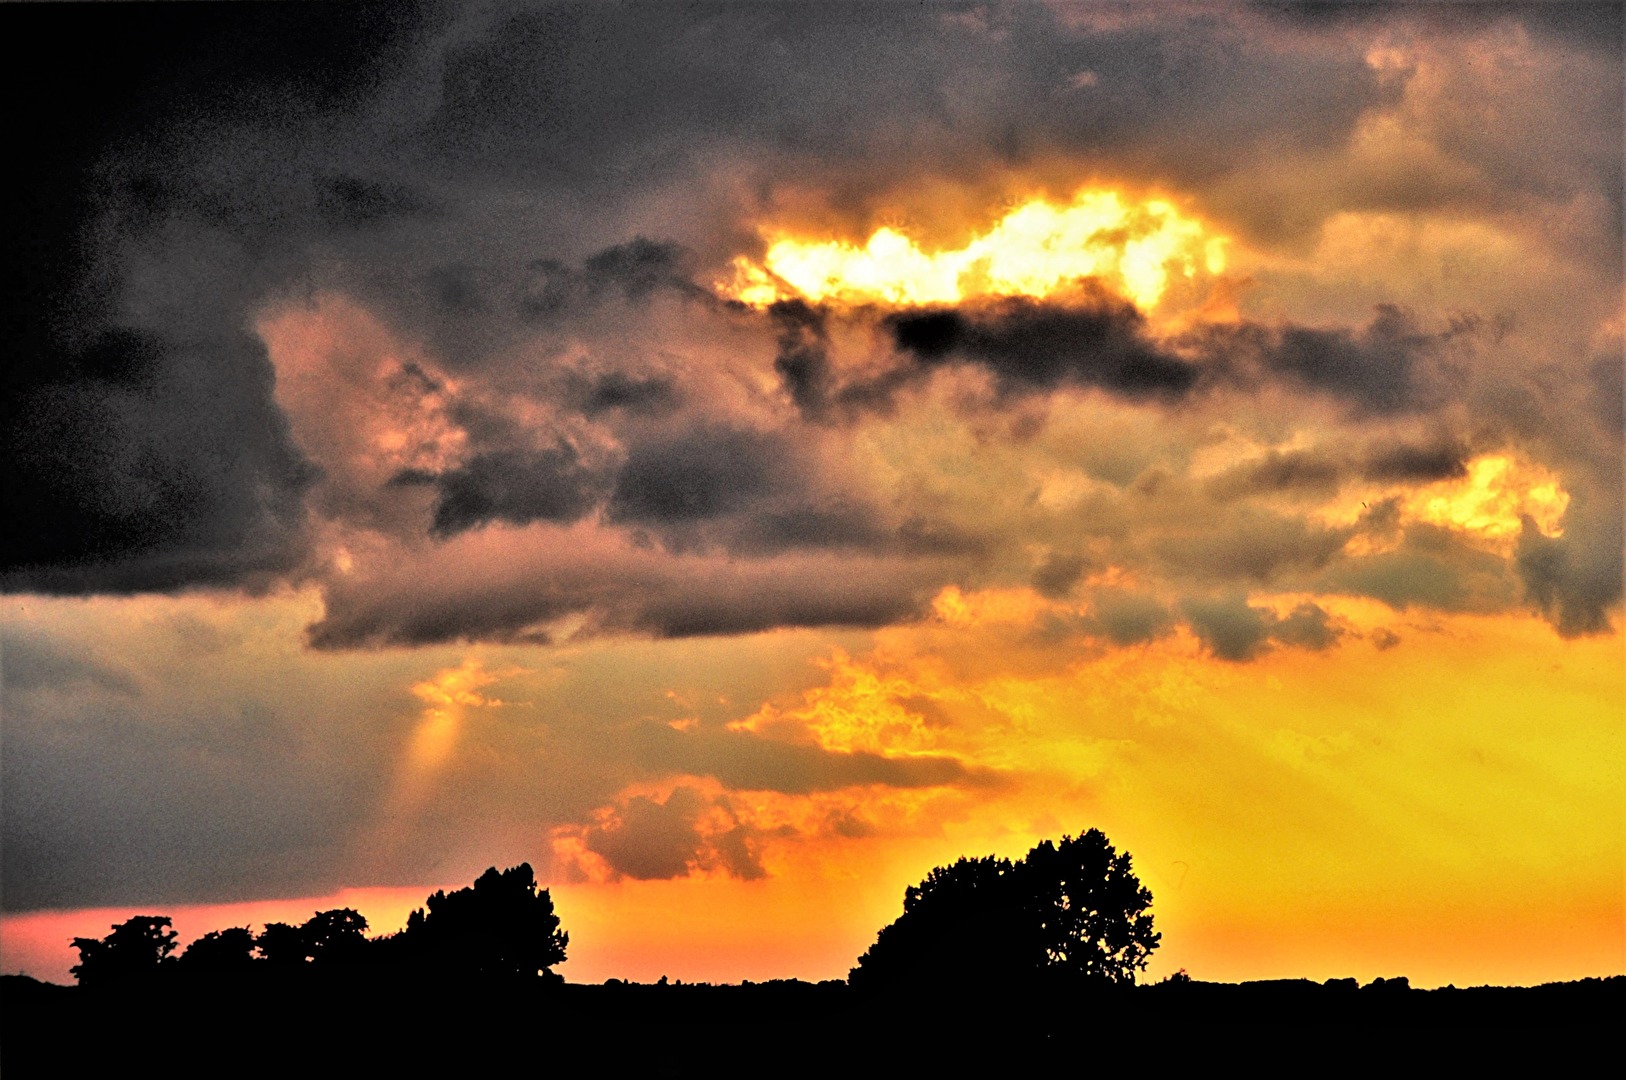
[501,926]
[220,952]
[1072,911]
[135,951]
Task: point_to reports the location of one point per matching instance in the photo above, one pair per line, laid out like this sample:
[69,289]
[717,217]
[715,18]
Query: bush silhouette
[1071,913]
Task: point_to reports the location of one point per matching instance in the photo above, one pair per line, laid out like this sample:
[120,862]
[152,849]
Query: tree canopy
[501,926]
[1071,912]
[135,951]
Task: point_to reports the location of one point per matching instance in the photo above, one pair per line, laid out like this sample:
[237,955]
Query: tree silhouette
[334,937]
[220,952]
[1095,925]
[1071,912]
[327,939]
[501,927]
[135,951]
[283,946]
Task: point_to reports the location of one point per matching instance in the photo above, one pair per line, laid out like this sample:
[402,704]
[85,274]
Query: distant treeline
[501,929]
[1036,952]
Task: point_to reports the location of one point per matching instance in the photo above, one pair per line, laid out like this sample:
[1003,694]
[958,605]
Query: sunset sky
[739,457]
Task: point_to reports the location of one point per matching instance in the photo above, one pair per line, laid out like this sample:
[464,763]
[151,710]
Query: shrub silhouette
[1071,913]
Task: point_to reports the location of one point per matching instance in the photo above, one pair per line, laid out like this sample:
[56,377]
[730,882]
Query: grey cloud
[1128,618]
[1441,461]
[33,662]
[649,839]
[148,461]
[636,269]
[1253,544]
[1375,368]
[1383,368]
[803,361]
[345,201]
[518,487]
[1296,470]
[1231,628]
[1030,345]
[1060,571]
[618,391]
[500,586]
[1307,626]
[1575,580]
[696,475]
[1430,568]
[107,806]
[1235,630]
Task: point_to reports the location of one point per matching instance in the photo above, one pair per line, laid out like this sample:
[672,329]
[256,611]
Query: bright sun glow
[1494,498]
[1037,249]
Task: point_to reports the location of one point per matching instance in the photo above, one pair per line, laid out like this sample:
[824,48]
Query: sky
[737,457]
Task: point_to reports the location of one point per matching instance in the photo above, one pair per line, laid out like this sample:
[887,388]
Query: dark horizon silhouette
[1025,944]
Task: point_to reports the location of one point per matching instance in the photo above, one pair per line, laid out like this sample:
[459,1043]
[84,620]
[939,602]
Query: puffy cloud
[513,486]
[1034,346]
[645,838]
[1235,630]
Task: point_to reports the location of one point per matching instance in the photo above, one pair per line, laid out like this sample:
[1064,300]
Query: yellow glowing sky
[1320,814]
[1035,249]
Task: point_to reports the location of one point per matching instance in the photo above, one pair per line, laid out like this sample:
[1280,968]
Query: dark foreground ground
[361,1023]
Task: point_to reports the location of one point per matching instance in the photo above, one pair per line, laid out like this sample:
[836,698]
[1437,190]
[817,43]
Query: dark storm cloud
[1426,464]
[695,475]
[1388,366]
[143,455]
[518,487]
[1234,630]
[1029,345]
[148,461]
[524,189]
[635,269]
[617,391]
